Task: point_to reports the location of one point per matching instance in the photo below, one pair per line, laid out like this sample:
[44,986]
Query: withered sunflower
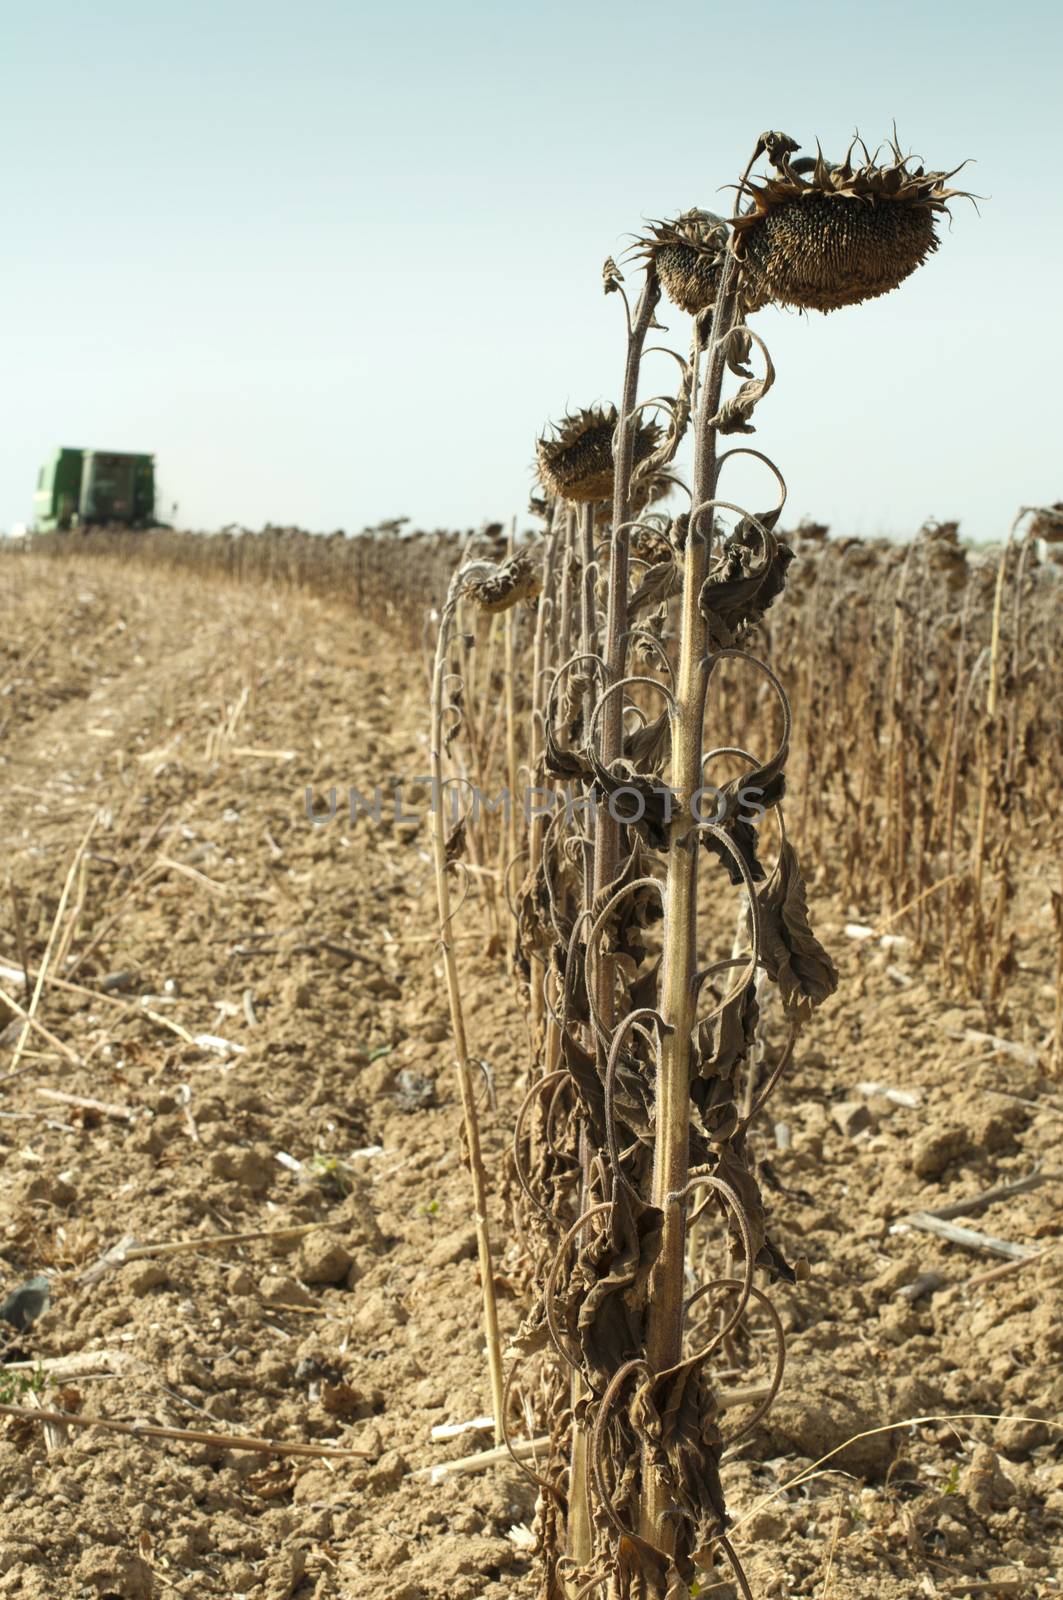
[498,587]
[945,556]
[576,461]
[688,253]
[1048,523]
[822,235]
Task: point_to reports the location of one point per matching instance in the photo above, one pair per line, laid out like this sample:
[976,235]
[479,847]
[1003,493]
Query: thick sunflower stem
[580,1528]
[992,686]
[606,857]
[537,827]
[509,635]
[606,851]
[664,1323]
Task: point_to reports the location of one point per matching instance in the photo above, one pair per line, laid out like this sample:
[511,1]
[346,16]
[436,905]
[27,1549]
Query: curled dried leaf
[647,746]
[455,846]
[660,582]
[733,416]
[749,574]
[793,957]
[564,763]
[634,800]
[740,807]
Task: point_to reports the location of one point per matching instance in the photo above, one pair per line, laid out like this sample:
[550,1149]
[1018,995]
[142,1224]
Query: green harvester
[77,488]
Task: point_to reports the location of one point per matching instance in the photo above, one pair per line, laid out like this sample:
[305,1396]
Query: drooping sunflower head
[688,253]
[650,541]
[945,556]
[497,586]
[822,235]
[1047,523]
[575,459]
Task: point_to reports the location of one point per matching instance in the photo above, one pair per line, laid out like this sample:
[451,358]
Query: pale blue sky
[334,262]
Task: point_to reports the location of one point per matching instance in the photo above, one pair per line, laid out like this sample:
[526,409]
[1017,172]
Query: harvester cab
[78,487]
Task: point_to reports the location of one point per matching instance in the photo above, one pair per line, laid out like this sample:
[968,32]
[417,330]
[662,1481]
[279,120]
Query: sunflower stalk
[540,666]
[509,625]
[652,1083]
[580,1524]
[609,729]
[664,1322]
[442,865]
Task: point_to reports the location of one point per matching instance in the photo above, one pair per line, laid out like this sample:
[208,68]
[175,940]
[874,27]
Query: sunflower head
[650,543]
[811,532]
[688,253]
[575,459]
[1047,523]
[945,556]
[821,235]
[497,587]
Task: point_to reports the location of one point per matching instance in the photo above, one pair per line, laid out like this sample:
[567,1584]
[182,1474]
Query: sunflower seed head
[1048,523]
[497,588]
[826,234]
[575,461]
[688,253]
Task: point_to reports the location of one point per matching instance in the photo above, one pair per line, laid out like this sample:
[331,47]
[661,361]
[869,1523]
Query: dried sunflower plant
[662,922]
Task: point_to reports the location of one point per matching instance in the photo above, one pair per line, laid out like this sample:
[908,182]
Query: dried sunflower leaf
[564,763]
[660,582]
[738,344]
[621,1259]
[724,1042]
[637,802]
[733,416]
[455,847]
[749,575]
[646,747]
[792,955]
